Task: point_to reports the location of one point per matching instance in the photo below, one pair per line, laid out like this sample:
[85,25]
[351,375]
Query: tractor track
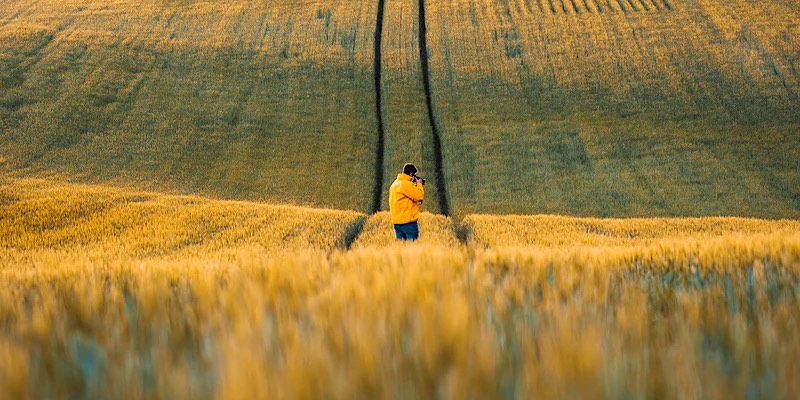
[355,229]
[441,188]
[381,142]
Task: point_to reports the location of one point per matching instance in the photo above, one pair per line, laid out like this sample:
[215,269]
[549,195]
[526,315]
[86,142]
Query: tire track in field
[381,142]
[354,230]
[441,189]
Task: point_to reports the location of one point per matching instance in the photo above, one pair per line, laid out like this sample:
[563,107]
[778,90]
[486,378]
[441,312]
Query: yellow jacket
[404,199]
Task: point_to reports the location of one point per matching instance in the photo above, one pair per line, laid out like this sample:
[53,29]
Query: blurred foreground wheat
[682,317]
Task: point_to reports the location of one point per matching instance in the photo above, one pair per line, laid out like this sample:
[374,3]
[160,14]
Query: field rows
[686,113]
[596,6]
[541,152]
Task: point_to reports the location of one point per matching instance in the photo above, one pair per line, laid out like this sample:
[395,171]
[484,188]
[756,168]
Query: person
[405,196]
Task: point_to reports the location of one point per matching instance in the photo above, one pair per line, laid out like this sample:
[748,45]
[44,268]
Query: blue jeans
[409,231]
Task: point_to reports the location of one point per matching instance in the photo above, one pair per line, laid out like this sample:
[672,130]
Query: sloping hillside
[238,99]
[622,108]
[589,108]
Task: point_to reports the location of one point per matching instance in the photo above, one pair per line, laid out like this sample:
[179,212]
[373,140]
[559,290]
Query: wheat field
[219,98]
[114,293]
[553,231]
[586,108]
[557,107]
[193,199]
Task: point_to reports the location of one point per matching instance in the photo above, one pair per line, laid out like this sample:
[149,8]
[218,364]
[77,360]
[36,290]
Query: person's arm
[413,192]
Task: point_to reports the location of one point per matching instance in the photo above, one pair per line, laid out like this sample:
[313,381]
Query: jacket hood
[404,177]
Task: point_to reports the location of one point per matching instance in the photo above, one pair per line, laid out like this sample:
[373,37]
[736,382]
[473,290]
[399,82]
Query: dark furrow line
[354,229]
[444,206]
[529,5]
[540,6]
[599,7]
[575,6]
[655,3]
[379,147]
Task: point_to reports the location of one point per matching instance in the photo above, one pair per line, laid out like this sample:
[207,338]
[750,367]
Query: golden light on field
[193,199]
[118,298]
[542,107]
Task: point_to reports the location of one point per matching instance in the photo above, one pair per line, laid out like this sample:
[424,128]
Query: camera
[419,178]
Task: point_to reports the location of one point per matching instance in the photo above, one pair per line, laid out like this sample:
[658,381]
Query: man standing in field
[405,196]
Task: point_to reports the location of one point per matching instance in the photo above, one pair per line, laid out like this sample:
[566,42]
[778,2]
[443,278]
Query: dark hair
[409,169]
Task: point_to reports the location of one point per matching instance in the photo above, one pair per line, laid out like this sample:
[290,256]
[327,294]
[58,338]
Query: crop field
[222,98]
[39,215]
[686,110]
[193,199]
[551,231]
[113,293]
[406,124]
[630,108]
